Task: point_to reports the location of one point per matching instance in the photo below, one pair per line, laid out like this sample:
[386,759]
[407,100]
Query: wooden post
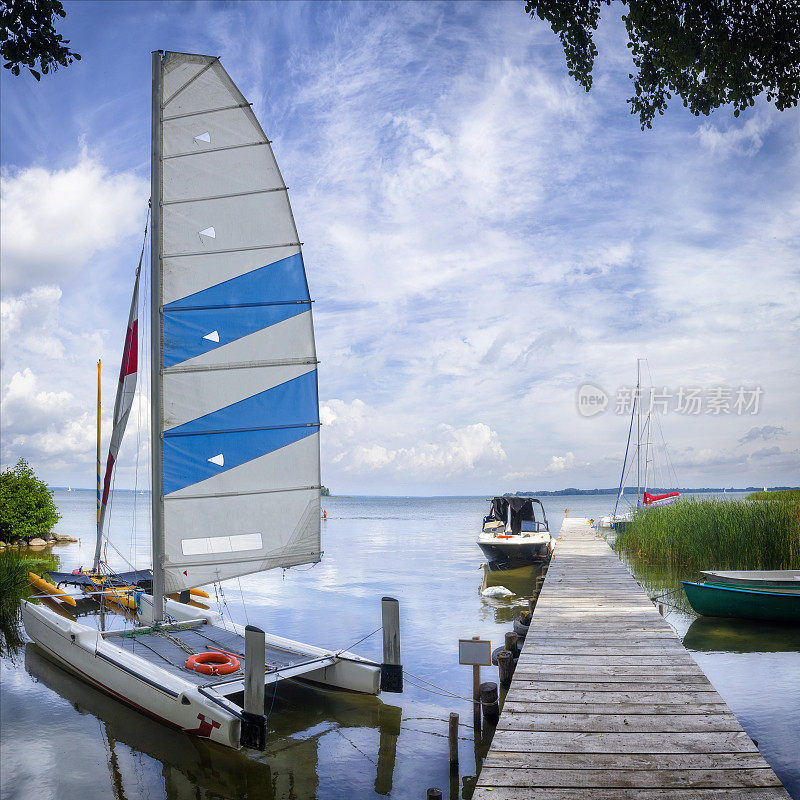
[512,643]
[489,702]
[476,693]
[661,609]
[254,725]
[391,668]
[505,667]
[452,737]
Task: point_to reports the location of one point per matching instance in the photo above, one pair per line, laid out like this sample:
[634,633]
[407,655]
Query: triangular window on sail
[210,232]
[212,337]
[218,459]
[203,137]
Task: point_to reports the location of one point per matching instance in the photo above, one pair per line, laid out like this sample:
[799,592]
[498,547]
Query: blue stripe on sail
[234,308]
[241,432]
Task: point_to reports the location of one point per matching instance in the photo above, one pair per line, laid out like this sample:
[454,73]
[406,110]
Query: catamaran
[234,429]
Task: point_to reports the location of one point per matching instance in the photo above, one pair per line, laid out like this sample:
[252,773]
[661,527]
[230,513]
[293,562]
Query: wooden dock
[606,704]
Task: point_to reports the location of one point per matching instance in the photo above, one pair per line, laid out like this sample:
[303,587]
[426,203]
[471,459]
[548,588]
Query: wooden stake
[505,667]
[452,737]
[489,702]
[512,643]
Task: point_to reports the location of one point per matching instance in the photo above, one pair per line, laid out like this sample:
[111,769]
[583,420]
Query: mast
[97,554]
[647,448]
[638,429]
[156,444]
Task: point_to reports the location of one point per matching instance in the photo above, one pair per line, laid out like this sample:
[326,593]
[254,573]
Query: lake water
[61,738]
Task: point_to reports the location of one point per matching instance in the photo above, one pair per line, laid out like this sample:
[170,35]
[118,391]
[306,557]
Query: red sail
[126,391]
[649,499]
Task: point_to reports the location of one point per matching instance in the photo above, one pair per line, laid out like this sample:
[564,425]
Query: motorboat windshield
[518,514]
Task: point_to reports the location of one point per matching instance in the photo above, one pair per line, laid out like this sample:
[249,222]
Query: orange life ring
[213,663]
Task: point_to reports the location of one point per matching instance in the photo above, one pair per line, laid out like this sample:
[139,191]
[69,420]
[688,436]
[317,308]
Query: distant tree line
[652,490]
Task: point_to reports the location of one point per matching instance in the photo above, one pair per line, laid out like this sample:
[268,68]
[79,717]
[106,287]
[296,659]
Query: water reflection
[741,636]
[190,767]
[521,581]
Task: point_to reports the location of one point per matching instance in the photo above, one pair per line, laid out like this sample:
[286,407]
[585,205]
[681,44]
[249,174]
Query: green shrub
[718,534]
[27,509]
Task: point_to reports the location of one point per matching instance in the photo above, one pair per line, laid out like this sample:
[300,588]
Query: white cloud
[743,137]
[358,438]
[481,238]
[560,463]
[54,221]
[30,321]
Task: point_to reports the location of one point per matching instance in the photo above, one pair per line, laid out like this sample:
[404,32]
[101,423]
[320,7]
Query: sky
[489,247]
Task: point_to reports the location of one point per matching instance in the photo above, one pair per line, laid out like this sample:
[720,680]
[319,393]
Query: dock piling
[512,643]
[505,667]
[489,702]
[254,726]
[391,668]
[452,738]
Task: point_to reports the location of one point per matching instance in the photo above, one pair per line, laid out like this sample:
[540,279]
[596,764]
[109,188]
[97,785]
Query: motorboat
[515,532]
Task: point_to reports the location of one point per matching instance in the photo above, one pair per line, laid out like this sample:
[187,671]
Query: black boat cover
[142,578]
[521,510]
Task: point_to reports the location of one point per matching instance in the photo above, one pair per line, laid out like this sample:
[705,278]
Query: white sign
[475,651]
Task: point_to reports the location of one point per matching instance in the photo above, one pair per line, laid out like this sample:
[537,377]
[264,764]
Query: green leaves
[708,52]
[28,37]
[27,509]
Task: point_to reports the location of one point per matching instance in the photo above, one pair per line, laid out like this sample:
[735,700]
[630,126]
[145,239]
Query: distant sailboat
[235,455]
[644,499]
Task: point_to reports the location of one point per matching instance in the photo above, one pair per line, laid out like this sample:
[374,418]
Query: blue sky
[482,237]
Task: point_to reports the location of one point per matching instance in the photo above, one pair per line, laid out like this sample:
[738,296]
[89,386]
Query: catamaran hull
[129,678]
[206,712]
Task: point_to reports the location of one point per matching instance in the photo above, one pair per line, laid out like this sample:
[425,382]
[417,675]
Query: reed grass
[763,533]
[14,587]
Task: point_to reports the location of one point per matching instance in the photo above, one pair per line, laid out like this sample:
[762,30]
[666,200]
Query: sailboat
[644,499]
[234,427]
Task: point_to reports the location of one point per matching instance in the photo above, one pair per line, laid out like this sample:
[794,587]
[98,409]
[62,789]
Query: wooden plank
[619,723]
[628,760]
[622,686]
[534,693]
[648,681]
[631,779]
[593,742]
[642,659]
[610,708]
[524,793]
[529,670]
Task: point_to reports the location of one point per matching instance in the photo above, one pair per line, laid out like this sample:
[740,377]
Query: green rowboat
[730,601]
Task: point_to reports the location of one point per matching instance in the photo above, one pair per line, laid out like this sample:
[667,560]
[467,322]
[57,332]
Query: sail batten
[239,427]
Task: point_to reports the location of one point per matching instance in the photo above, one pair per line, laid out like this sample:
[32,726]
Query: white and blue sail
[236,394]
